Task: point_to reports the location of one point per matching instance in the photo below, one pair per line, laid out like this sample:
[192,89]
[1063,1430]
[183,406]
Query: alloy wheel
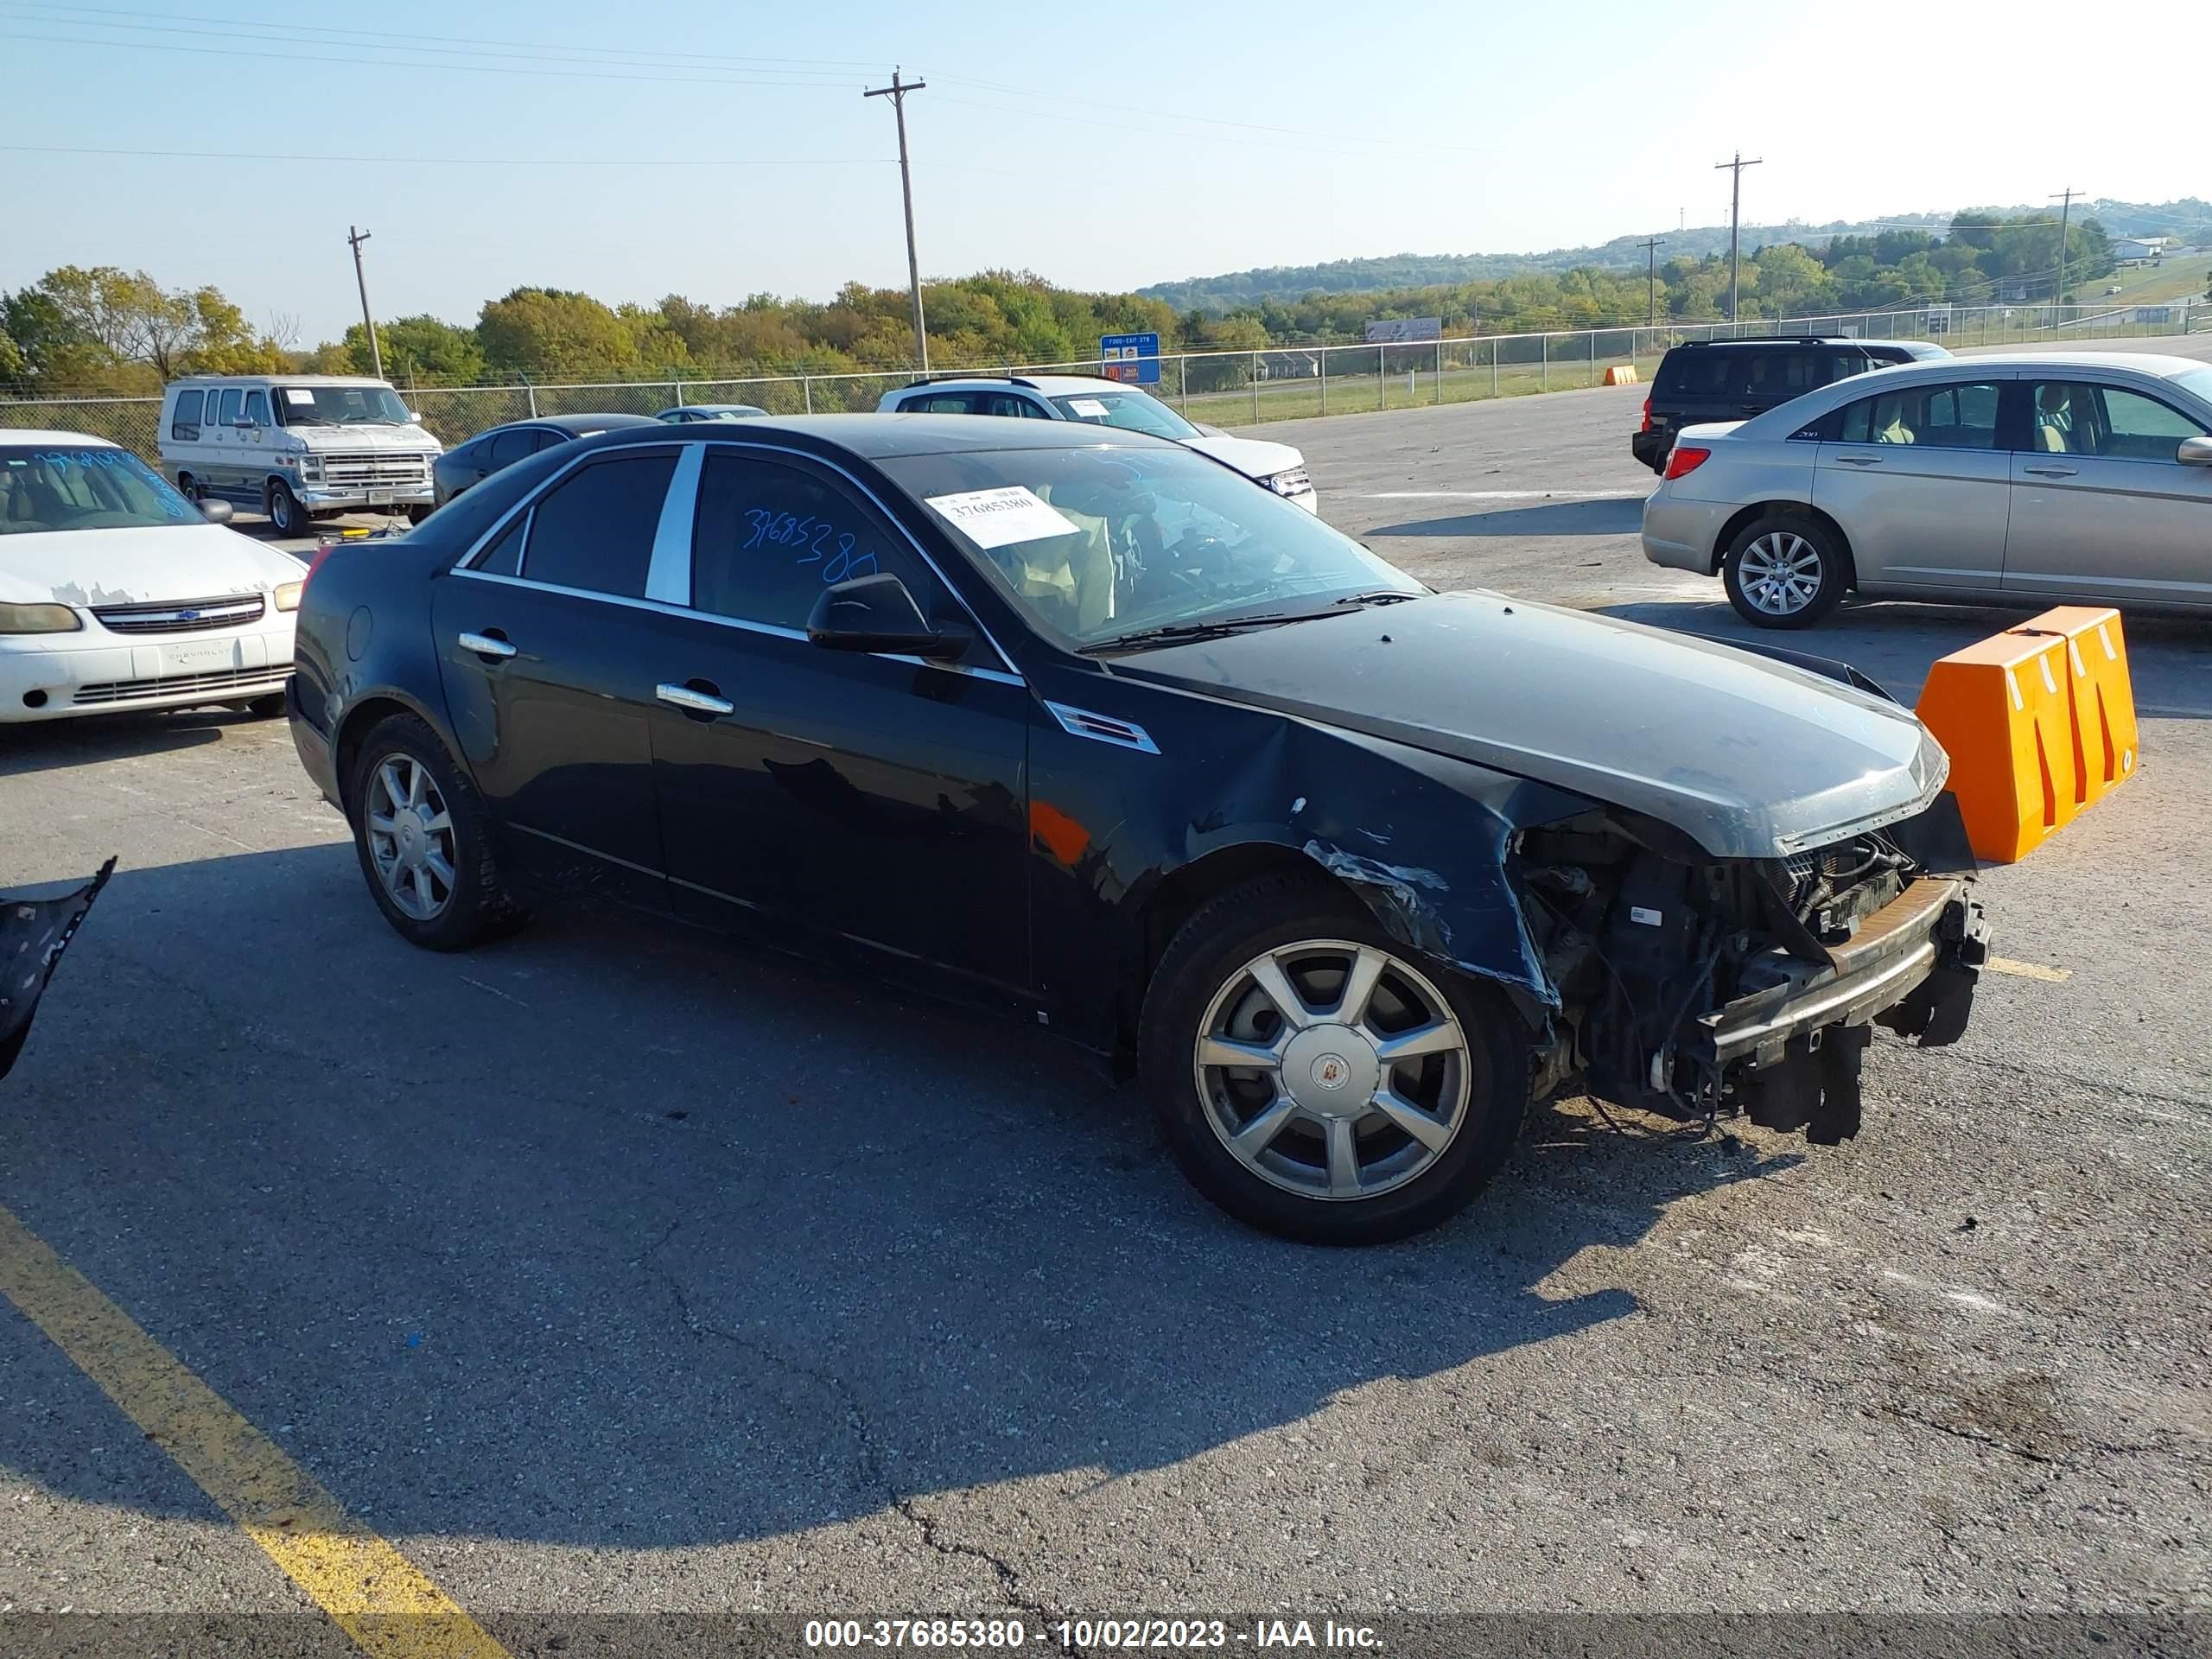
[1332,1069]
[1780,572]
[411,837]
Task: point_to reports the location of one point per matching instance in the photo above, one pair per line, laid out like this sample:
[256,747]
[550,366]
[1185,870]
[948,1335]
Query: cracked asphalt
[608,1269]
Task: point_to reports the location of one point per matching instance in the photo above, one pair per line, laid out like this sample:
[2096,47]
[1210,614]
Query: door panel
[2102,510]
[846,796]
[557,734]
[549,676]
[841,794]
[1918,481]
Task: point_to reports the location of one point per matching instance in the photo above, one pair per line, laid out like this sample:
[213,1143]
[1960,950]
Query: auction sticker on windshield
[999,518]
[1090,408]
[298,395]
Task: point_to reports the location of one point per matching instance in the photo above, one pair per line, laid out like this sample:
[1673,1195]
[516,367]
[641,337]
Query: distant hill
[2190,218]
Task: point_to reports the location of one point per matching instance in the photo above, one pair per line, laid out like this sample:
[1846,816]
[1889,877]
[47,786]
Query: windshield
[1133,411]
[1095,543]
[44,489]
[2196,380]
[340,406]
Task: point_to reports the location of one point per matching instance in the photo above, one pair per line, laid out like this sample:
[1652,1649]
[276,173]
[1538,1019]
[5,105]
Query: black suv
[1735,379]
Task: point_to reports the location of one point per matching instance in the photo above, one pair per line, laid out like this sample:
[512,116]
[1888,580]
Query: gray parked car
[2045,479]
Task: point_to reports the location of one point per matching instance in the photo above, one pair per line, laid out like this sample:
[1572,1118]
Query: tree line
[106,332]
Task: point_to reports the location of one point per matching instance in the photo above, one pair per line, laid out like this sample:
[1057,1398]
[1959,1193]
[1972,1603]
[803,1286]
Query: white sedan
[117,593]
[1276,466]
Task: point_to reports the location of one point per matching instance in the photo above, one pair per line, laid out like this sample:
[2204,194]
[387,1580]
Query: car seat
[2054,420]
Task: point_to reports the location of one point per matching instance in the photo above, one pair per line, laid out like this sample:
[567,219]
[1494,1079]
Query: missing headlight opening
[1697,987]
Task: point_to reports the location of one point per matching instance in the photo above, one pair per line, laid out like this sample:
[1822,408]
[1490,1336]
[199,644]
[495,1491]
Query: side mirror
[878,613]
[2195,452]
[244,424]
[415,418]
[214,511]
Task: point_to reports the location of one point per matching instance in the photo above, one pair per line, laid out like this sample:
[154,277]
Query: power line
[467,161]
[587,54]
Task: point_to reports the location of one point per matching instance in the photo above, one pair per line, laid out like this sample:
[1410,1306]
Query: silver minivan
[2050,478]
[296,446]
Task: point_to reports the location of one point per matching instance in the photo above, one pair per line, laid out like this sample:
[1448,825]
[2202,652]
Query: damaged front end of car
[1696,987]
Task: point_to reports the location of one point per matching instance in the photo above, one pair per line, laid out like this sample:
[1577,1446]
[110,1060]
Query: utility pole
[1735,219]
[376,355]
[2065,213]
[896,92]
[1651,247]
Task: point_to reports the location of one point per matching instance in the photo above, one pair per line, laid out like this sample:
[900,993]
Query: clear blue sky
[1102,146]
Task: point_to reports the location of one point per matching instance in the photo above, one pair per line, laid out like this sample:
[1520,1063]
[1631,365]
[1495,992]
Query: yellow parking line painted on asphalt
[380,1599]
[2028,970]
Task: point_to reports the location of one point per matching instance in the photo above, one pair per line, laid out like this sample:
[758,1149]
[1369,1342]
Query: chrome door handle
[2050,472]
[485,645]
[691,701]
[1859,460]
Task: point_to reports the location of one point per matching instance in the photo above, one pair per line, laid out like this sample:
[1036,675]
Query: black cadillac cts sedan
[1102,734]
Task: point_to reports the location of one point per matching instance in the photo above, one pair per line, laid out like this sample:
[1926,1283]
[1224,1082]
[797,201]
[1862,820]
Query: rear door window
[1956,416]
[942,402]
[594,530]
[508,448]
[1775,376]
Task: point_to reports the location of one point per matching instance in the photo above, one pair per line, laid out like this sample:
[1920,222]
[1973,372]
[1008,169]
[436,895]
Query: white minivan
[296,446]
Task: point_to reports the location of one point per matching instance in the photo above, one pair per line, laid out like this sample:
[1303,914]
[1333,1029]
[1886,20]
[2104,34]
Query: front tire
[424,840]
[1785,571]
[286,514]
[1315,1080]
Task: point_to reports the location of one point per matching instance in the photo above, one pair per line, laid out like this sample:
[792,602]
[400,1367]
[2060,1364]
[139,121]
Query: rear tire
[424,840]
[1276,1145]
[1785,570]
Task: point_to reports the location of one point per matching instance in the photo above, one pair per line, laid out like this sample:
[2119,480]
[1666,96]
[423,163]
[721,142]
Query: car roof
[1052,385]
[1757,340]
[574,425]
[2152,363]
[11,437]
[881,437]
[287,379]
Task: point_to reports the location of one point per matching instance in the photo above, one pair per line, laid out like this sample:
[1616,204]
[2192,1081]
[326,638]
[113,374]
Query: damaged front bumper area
[1698,989]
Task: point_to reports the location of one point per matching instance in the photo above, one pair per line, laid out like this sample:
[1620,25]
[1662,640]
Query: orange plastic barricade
[2102,696]
[2000,708]
[1621,374]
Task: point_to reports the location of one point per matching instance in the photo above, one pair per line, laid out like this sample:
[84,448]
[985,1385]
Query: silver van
[296,446]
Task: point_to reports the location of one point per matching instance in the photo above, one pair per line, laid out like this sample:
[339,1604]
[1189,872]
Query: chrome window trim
[668,574]
[685,613]
[1005,671]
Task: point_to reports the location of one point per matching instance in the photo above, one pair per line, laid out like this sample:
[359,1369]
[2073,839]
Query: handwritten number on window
[812,536]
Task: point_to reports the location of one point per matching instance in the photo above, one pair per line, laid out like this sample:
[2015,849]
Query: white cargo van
[295,446]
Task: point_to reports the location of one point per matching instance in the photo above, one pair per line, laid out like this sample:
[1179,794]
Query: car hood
[410,439]
[1253,457]
[1750,758]
[85,568]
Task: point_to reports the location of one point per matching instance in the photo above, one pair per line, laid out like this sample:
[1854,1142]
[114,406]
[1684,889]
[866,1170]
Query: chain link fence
[1275,383]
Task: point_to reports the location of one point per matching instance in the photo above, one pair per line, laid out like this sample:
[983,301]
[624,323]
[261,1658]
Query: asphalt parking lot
[606,1269]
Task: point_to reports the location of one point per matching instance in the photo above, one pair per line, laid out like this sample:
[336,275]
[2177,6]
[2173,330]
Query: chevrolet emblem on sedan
[1085,727]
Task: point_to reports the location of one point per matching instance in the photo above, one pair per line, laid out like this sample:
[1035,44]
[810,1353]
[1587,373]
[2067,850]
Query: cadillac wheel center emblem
[1330,1071]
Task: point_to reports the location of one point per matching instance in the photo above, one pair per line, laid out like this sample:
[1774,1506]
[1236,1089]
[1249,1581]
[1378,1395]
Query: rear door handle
[693,700]
[485,645]
[1859,460]
[2050,472]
